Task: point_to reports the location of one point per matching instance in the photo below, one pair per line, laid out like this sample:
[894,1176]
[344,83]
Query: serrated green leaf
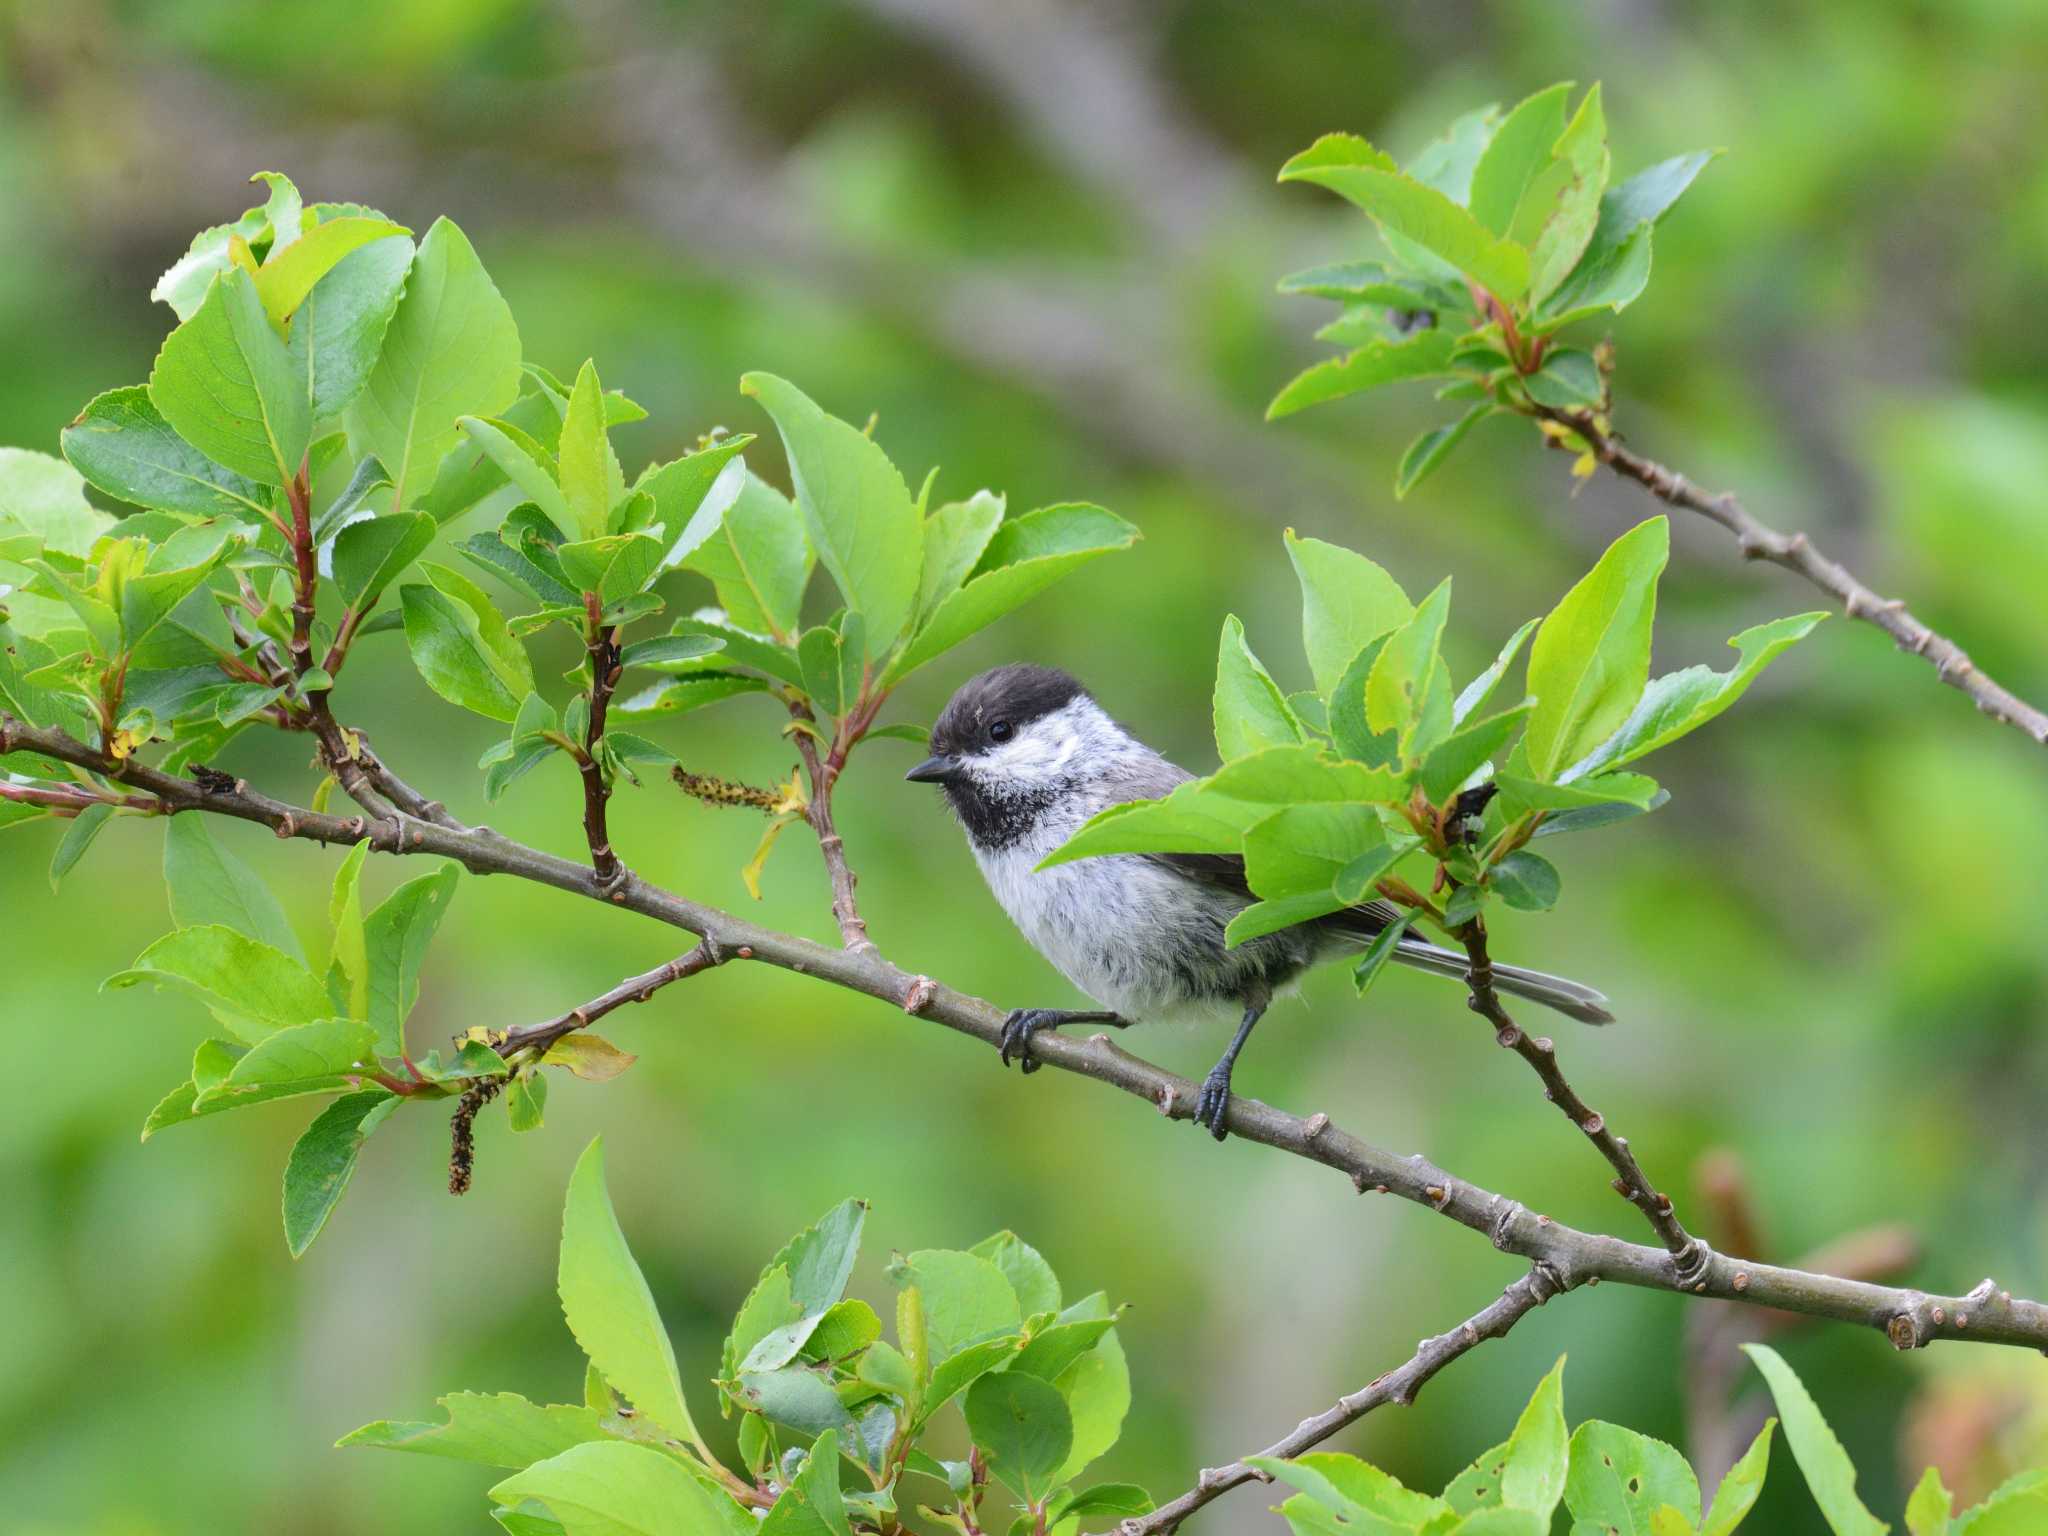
[526,1099]
[1929,1509]
[1192,819]
[395,939]
[369,555]
[611,1488]
[1619,1478]
[1527,881]
[208,885]
[1251,713]
[1581,156]
[1097,1389]
[1679,703]
[1568,380]
[1346,602]
[338,333]
[1023,1427]
[1424,355]
[323,1160]
[759,559]
[451,350]
[1360,174]
[226,385]
[1458,756]
[249,986]
[1037,1287]
[1428,452]
[856,508]
[609,1307]
[1591,655]
[812,1504]
[1519,148]
[1616,265]
[287,277]
[590,477]
[1023,557]
[497,1430]
[121,443]
[1399,688]
[1830,1475]
[452,656]
[967,1299]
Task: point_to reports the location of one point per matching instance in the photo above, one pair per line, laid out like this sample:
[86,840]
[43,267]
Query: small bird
[1026,756]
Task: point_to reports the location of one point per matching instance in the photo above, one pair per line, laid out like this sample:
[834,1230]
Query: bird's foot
[1023,1023]
[1213,1102]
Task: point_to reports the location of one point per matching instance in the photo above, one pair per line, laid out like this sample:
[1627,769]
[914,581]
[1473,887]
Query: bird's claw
[1018,1029]
[1212,1104]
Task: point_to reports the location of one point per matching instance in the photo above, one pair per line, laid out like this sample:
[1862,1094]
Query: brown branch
[1630,1182]
[1795,552]
[634,989]
[1911,1319]
[603,645]
[1398,1386]
[823,774]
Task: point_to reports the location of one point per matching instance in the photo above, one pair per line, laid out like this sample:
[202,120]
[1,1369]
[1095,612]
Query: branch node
[287,826]
[1508,1036]
[1503,1224]
[745,951]
[1317,1124]
[1169,1097]
[1593,1125]
[918,995]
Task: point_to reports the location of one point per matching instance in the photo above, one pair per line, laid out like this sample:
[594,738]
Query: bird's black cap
[1019,693]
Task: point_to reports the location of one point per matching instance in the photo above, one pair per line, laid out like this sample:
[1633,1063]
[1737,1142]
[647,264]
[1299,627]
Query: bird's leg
[1214,1100]
[1023,1023]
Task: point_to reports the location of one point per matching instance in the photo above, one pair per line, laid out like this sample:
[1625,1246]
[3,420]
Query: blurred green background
[1040,240]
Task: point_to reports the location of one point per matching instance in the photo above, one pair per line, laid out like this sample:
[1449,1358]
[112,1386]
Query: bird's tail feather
[1571,998]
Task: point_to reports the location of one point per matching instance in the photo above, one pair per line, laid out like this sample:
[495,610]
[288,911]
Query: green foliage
[1395,768]
[834,1418]
[1497,237]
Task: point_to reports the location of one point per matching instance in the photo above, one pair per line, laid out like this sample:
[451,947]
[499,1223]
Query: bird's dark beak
[938,769]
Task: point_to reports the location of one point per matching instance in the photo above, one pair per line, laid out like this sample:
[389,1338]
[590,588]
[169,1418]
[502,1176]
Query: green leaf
[186,283]
[1037,1287]
[1251,712]
[1631,789]
[612,1488]
[1346,602]
[688,693]
[319,1053]
[1432,448]
[740,650]
[1293,859]
[526,1098]
[692,495]
[124,447]
[1097,1388]
[795,1397]
[812,1504]
[338,333]
[1526,881]
[1360,174]
[395,939]
[451,350]
[966,1298]
[856,508]
[369,555]
[1024,556]
[1581,157]
[1520,148]
[1458,756]
[954,538]
[226,385]
[1424,355]
[2018,1507]
[1023,1427]
[1399,688]
[1568,380]
[1528,1472]
[525,463]
[759,560]
[1830,1475]
[1616,265]
[1739,1489]
[590,476]
[1192,819]
[615,566]
[609,1308]
[207,885]
[348,956]
[1365,1498]
[285,280]
[249,986]
[84,830]
[453,657]
[1480,689]
[322,1161]
[1283,775]
[1448,161]
[1929,1509]
[1618,1479]
[499,1430]
[1592,653]
[1681,702]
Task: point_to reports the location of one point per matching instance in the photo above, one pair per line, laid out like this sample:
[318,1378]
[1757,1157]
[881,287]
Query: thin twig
[1399,1386]
[823,774]
[603,644]
[1795,552]
[634,989]
[1911,1319]
[1630,1182]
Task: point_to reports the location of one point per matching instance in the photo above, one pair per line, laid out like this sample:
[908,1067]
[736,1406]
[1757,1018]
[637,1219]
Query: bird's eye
[1000,731]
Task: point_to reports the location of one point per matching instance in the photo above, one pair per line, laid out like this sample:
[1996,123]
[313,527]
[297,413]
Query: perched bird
[1026,756]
